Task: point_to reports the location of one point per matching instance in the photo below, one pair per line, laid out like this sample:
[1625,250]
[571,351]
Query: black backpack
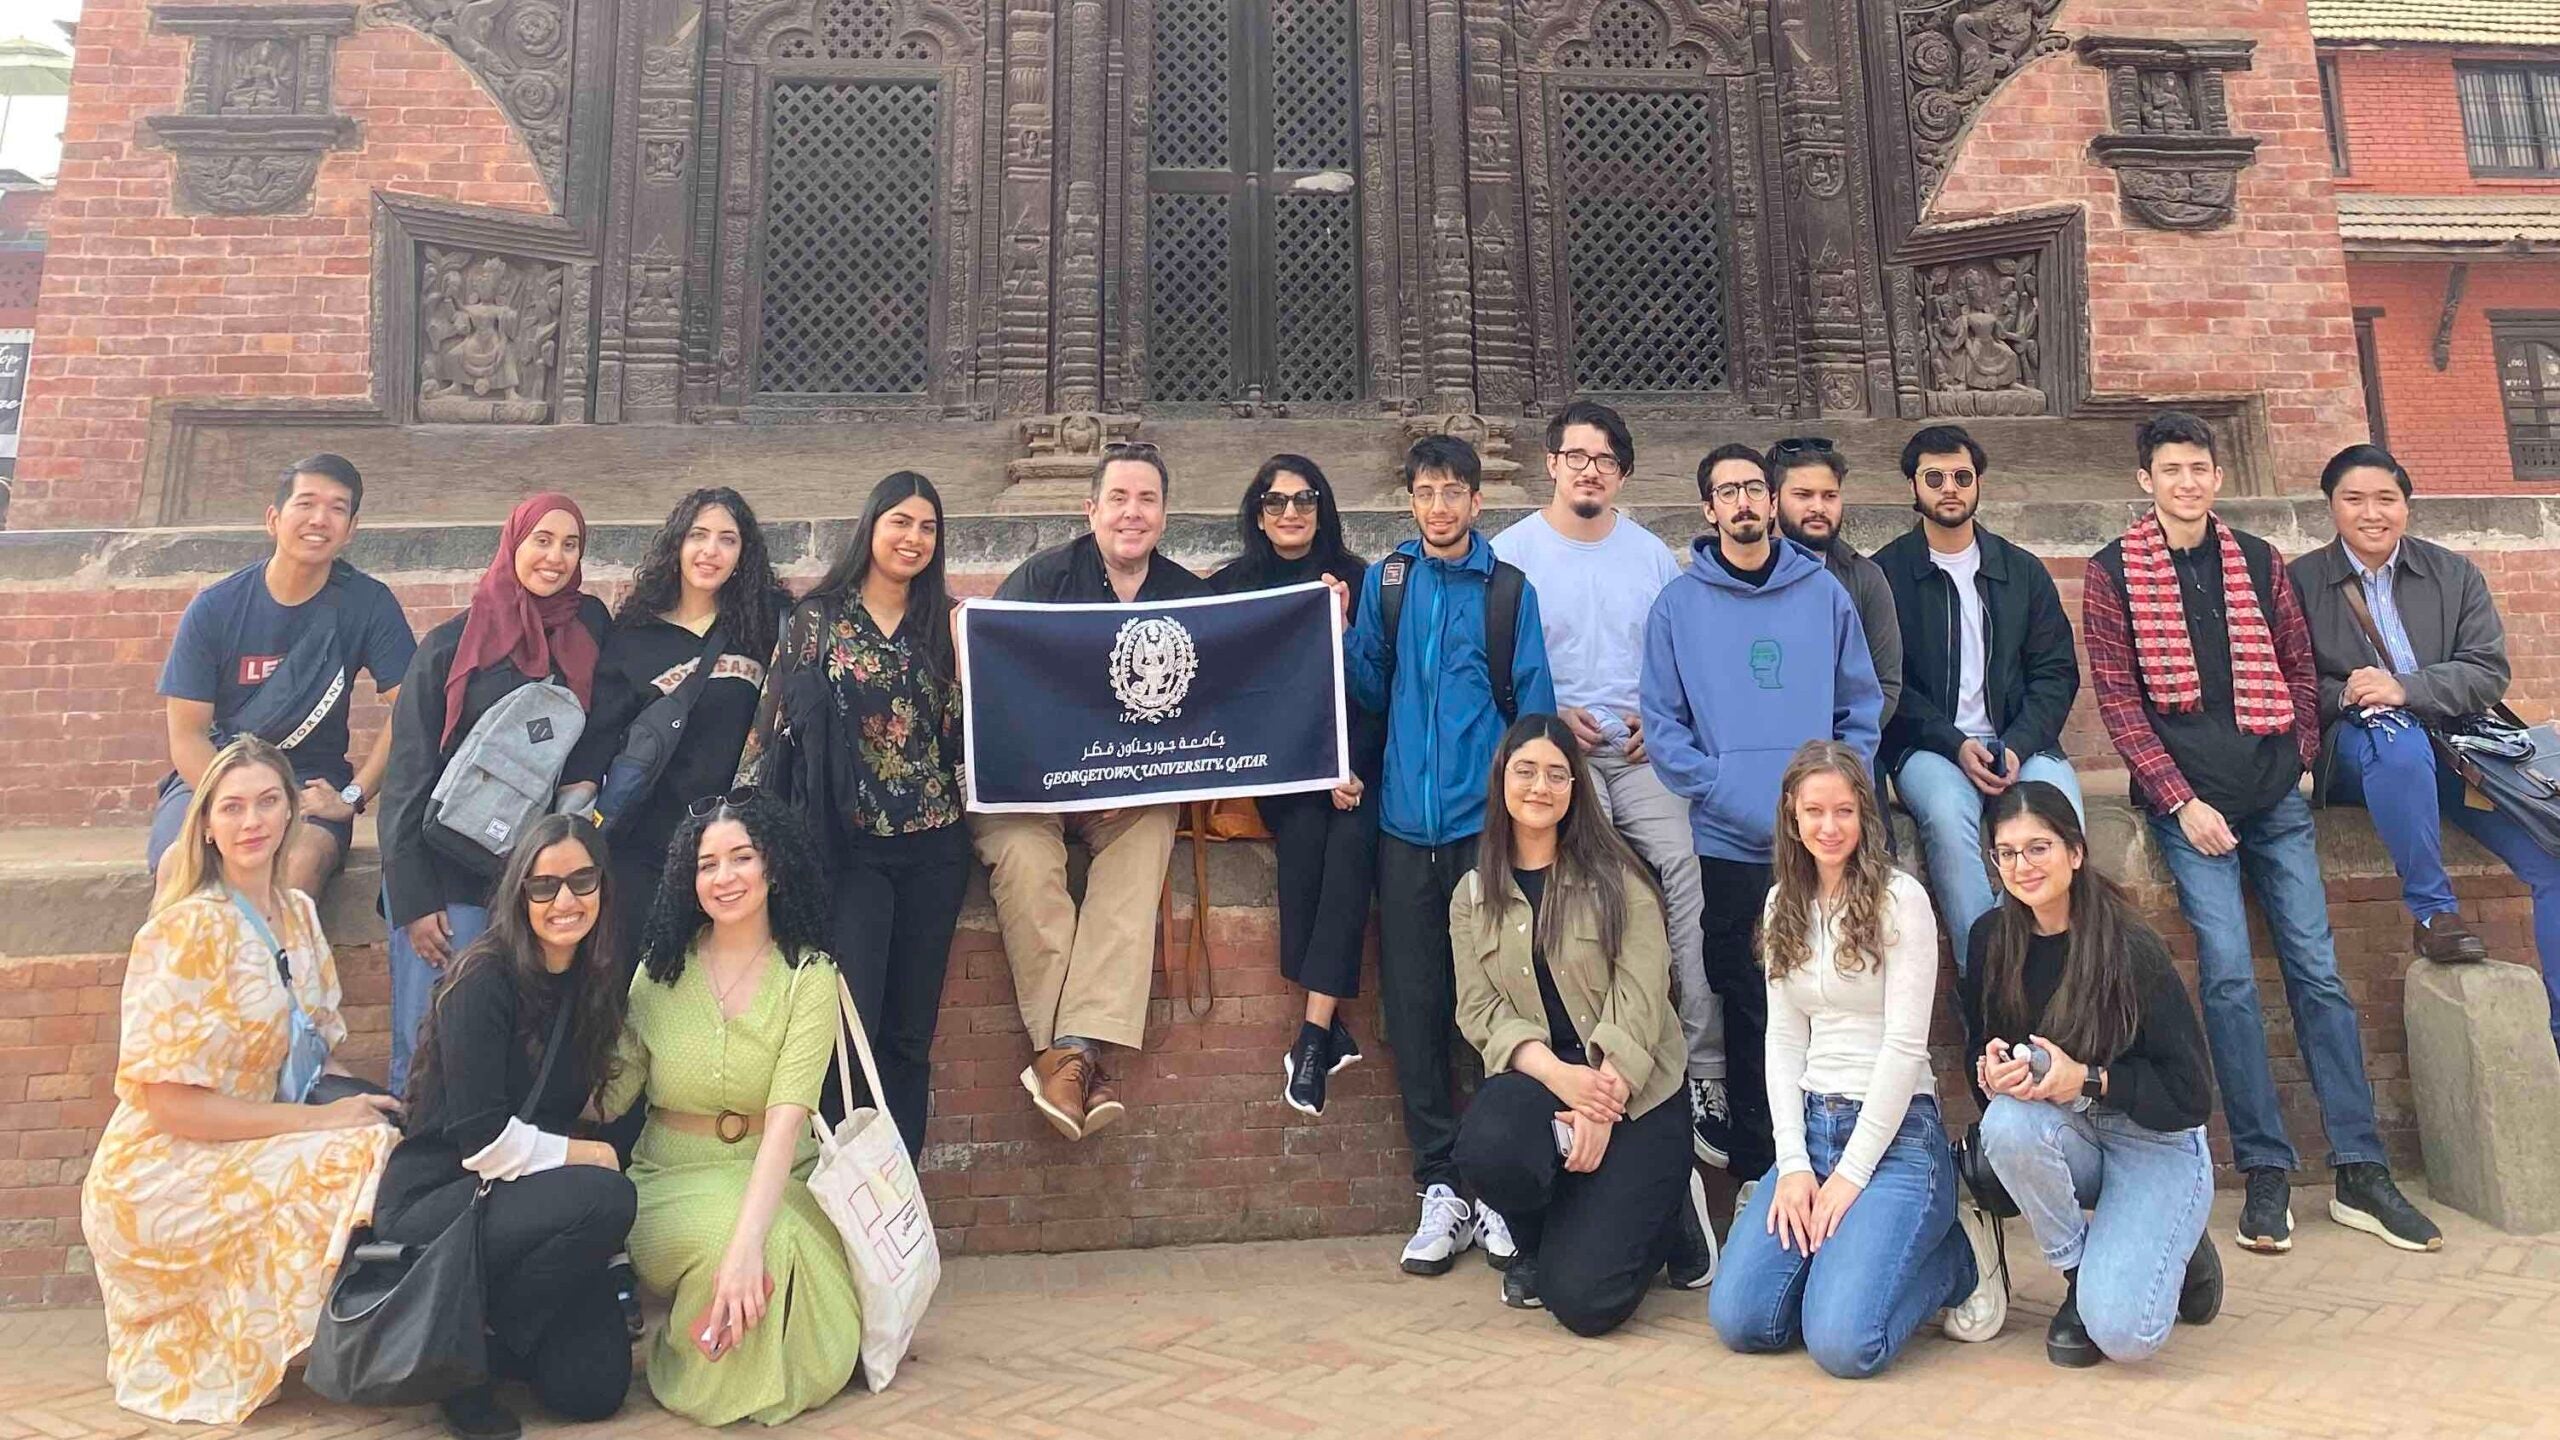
[1501,624]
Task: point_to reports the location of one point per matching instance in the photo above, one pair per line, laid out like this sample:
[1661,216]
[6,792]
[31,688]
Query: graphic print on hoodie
[1736,679]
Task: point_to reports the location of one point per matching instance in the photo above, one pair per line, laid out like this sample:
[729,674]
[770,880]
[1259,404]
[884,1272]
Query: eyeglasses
[1556,776]
[1577,461]
[543,889]
[1434,497]
[710,805]
[1939,479]
[2035,852]
[1732,490]
[1280,502]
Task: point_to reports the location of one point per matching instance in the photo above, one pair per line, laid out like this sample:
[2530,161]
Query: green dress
[692,1186]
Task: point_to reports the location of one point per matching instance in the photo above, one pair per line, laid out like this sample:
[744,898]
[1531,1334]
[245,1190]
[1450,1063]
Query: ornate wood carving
[1954,54]
[2169,140]
[520,50]
[1022,302]
[1999,315]
[255,115]
[2457,278]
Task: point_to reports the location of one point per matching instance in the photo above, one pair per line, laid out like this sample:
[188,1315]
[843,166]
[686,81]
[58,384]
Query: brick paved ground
[2342,1338]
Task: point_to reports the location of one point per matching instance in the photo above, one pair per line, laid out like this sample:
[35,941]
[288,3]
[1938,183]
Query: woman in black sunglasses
[559,1208]
[1326,843]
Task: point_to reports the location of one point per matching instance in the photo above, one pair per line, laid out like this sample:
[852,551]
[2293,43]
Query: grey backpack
[501,778]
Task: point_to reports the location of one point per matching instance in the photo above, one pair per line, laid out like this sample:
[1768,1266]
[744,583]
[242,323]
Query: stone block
[2487,1085]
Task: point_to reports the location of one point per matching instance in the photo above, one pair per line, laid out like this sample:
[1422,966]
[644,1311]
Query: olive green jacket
[1621,1006]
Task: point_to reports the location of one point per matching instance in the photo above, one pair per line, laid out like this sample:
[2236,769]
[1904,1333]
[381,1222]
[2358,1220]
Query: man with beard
[1597,573]
[1752,652]
[1808,471]
[1988,672]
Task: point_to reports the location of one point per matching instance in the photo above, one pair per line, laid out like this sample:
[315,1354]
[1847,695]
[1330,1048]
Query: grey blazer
[2454,630]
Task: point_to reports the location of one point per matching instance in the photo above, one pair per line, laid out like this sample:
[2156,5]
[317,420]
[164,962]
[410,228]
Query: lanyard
[249,912]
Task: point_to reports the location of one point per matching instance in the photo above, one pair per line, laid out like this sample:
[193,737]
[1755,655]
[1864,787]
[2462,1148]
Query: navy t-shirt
[233,635]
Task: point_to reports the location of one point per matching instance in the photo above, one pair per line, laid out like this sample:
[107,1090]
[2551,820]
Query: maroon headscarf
[510,623]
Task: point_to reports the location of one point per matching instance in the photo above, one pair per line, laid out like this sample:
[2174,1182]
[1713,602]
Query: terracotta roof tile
[2476,219]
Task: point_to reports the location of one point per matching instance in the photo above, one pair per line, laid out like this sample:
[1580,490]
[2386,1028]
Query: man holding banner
[1102,687]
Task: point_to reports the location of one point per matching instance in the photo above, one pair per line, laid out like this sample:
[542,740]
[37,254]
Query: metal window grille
[2511,118]
[2529,382]
[849,258]
[1644,240]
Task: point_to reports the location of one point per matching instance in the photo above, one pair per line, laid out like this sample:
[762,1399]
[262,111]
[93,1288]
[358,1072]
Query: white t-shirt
[1973,716]
[1594,597]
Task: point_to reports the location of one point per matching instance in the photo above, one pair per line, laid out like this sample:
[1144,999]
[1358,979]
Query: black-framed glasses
[543,889]
[1940,479]
[1280,502]
[1577,461]
[710,805]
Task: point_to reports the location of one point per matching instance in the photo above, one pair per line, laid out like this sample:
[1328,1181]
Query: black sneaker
[2367,1200]
[1710,1123]
[1520,1285]
[2266,1217]
[1345,1050]
[1692,1265]
[2200,1295]
[2066,1340]
[1306,1070]
[626,1290]
[475,1414]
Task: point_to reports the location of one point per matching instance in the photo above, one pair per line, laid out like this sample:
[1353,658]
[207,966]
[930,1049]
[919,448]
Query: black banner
[1086,707]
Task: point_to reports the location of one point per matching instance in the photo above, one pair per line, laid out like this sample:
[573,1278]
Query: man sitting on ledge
[2407,637]
[1081,976]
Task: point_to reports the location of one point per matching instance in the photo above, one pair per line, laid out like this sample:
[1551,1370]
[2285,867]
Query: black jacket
[2026,645]
[2454,631]
[1072,574]
[644,659]
[416,877]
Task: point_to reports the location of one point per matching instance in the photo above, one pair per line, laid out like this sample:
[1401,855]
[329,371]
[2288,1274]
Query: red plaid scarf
[2260,701]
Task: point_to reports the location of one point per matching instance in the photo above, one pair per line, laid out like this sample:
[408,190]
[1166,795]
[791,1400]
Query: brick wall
[2257,306]
[2404,120]
[142,304]
[2448,426]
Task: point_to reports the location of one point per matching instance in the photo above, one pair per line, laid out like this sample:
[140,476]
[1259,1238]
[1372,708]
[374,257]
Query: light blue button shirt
[2379,585]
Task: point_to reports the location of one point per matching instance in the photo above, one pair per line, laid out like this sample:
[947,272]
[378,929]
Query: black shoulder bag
[2514,766]
[649,746]
[407,1324]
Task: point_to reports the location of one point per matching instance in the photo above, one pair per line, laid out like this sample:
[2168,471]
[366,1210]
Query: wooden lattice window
[1644,239]
[849,235]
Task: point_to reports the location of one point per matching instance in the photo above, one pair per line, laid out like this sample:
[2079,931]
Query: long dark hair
[751,601]
[1592,863]
[928,595]
[2094,1011]
[594,989]
[1864,923]
[1259,558]
[796,903]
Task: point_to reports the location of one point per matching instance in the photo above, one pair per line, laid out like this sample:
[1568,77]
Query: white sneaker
[1984,1311]
[1448,1227]
[1741,1202]
[1499,1248]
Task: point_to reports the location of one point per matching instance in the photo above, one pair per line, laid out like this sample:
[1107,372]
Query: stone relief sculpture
[488,334]
[1983,319]
[255,118]
[2169,134]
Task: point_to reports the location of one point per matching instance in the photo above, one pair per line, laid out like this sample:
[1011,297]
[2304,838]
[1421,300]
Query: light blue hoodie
[1736,679]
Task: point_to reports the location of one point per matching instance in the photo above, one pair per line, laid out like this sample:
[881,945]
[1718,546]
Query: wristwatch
[2094,1085]
[353,796]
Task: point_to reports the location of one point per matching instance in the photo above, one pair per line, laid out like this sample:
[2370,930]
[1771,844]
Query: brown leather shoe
[1057,1078]
[1102,1108]
[2447,941]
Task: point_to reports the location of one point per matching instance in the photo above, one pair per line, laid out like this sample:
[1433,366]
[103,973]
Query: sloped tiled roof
[2460,219]
[2472,22]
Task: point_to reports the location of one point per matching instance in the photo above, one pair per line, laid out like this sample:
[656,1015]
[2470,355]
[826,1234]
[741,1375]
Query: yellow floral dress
[214,1256]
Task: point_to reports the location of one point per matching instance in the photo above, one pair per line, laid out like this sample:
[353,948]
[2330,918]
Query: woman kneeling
[558,1208]
[2110,1117]
[1859,1238]
[1564,985]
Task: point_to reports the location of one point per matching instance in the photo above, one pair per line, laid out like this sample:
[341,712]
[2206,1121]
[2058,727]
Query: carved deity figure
[485,332]
[1989,35]
[2165,110]
[261,80]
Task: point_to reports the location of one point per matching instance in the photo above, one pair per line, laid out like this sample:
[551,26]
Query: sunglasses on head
[710,805]
[1803,445]
[1130,447]
[543,889]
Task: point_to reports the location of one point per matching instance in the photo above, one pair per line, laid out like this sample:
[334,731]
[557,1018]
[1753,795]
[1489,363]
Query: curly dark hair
[797,904]
[751,603]
[597,987]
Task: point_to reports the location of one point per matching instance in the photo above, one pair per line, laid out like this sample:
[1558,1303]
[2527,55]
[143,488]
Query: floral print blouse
[904,723]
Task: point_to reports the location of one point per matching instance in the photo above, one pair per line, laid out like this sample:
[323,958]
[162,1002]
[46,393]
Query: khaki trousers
[1077,973]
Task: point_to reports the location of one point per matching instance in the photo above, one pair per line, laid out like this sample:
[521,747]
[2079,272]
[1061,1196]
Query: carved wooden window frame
[2057,239]
[405,227]
[1727,72]
[745,36]
[2369,373]
[2333,115]
[2527,327]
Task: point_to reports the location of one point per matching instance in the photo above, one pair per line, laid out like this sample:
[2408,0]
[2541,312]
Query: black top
[2031,672]
[1072,574]
[1562,1038]
[1244,574]
[2161,1080]
[1755,578]
[416,877]
[486,1055]
[646,658]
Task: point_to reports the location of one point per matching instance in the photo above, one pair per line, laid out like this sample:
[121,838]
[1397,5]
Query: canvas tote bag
[867,1186]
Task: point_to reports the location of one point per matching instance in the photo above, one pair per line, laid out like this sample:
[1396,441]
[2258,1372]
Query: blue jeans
[1948,811]
[2410,797]
[2279,857]
[1898,1257]
[2151,1190]
[413,983]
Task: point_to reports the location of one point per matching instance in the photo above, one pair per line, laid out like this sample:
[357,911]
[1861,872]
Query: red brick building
[2444,127]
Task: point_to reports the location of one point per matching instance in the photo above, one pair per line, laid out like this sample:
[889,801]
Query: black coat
[2026,644]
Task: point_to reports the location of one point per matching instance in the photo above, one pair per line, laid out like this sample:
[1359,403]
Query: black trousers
[544,1243]
[897,900]
[1735,891]
[1598,1238]
[1328,866]
[1418,991]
